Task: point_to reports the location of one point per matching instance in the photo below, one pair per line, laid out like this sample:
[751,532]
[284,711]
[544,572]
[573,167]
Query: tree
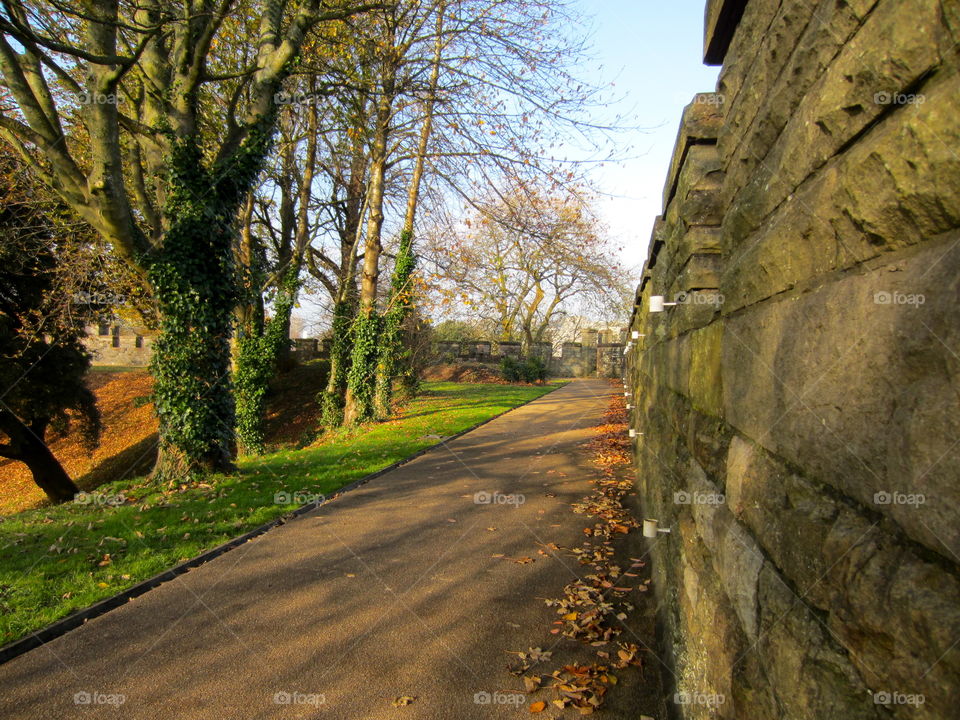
[525,262]
[41,332]
[262,346]
[162,178]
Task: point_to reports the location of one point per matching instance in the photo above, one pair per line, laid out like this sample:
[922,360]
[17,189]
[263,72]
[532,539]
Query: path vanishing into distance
[404,590]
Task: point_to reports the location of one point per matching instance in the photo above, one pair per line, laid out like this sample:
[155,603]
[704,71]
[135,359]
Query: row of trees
[526,267]
[228,153]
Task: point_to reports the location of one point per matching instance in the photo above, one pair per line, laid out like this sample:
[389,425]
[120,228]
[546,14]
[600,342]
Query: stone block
[736,557]
[897,615]
[699,125]
[706,380]
[811,676]
[694,197]
[898,44]
[800,43]
[712,639]
[720,23]
[859,387]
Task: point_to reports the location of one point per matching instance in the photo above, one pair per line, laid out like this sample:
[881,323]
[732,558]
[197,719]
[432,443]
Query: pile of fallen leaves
[129,430]
[592,608]
[127,446]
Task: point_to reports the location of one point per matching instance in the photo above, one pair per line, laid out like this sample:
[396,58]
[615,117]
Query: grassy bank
[58,559]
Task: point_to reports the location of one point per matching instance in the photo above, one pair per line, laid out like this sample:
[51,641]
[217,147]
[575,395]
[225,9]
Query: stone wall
[799,403]
[573,360]
[118,344]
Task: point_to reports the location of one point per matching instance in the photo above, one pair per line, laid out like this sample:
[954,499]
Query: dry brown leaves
[592,608]
[127,420]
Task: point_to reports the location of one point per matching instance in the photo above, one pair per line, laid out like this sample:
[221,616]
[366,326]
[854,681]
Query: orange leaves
[593,608]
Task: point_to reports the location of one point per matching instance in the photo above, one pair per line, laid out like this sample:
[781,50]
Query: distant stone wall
[574,359]
[131,347]
[798,406]
[118,345]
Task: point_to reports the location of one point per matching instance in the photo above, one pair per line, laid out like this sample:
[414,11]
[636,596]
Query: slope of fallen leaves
[592,607]
[128,442]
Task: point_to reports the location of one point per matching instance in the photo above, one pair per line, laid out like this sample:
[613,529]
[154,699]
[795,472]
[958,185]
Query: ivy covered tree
[271,270]
[151,121]
[390,348]
[42,356]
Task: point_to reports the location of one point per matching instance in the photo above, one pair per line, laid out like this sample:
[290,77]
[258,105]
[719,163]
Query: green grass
[117,368]
[51,556]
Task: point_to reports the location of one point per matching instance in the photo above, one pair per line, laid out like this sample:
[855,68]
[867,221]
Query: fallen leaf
[538,706]
[532,682]
[403,700]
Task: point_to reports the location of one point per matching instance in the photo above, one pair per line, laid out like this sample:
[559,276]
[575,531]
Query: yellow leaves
[404,700]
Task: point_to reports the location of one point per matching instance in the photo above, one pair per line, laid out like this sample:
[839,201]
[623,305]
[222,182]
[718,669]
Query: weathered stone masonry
[811,374]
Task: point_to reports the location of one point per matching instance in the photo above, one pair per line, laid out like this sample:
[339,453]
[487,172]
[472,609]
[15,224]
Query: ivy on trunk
[390,348]
[196,289]
[259,349]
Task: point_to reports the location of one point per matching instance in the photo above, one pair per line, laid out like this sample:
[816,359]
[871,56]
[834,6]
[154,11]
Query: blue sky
[652,50]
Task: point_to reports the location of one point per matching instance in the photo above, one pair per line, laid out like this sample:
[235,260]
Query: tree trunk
[27,445]
[390,346]
[358,404]
[195,286]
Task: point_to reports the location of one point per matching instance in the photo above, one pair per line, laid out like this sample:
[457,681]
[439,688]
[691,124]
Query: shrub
[531,369]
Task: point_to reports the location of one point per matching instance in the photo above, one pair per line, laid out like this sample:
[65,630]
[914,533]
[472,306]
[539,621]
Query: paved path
[390,590]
